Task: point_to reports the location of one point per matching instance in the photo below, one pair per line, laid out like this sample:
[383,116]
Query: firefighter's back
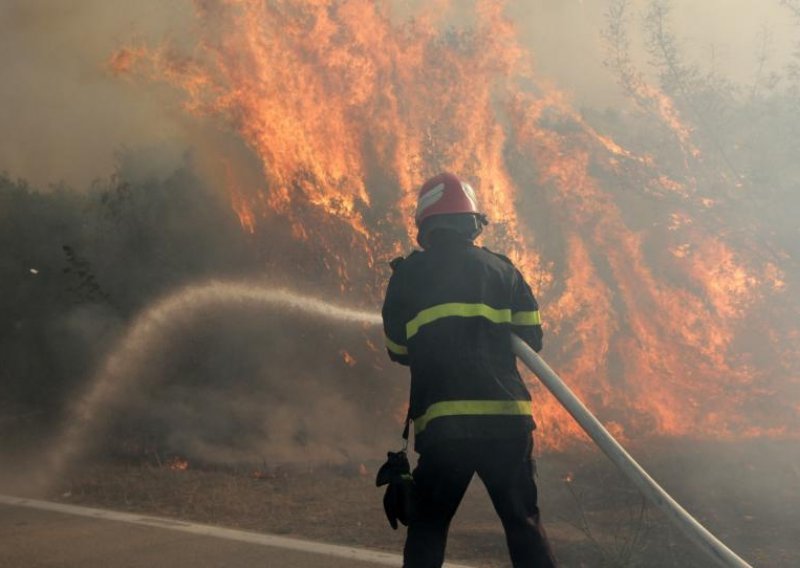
[459,303]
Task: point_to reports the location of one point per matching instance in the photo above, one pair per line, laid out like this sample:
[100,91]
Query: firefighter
[448,314]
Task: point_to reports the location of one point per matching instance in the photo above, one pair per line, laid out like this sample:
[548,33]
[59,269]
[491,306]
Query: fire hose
[696,532]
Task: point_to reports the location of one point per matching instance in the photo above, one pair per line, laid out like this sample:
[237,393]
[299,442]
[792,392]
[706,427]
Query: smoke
[698,263]
[235,373]
[65,115]
[722,36]
[68,115]
[217,374]
[149,229]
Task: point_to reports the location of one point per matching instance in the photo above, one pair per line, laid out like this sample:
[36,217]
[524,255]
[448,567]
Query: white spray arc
[150,326]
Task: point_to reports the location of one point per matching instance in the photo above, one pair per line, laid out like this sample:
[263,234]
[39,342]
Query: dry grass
[593,516]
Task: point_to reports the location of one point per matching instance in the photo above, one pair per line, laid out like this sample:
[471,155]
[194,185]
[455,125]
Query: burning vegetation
[660,235]
[656,237]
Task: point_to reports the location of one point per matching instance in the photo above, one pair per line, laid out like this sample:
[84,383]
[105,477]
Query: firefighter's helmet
[447,202]
[445,194]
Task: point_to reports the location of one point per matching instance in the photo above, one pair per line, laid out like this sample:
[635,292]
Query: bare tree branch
[793,5]
[762,79]
[677,77]
[794,67]
[618,58]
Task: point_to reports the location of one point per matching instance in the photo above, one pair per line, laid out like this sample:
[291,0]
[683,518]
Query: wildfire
[239,202]
[349,360]
[178,463]
[349,109]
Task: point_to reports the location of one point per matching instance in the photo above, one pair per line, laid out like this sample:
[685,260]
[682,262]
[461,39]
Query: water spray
[153,327]
[149,328]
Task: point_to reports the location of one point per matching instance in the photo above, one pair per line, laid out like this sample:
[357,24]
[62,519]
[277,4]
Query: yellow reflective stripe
[472,408]
[455,309]
[395,348]
[526,318]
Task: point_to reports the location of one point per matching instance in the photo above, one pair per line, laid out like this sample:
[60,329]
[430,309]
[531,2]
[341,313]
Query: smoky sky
[724,35]
[64,116]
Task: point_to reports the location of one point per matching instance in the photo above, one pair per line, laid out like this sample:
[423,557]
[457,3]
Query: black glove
[399,497]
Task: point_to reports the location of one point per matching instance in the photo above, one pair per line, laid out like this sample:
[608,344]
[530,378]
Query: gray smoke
[723,35]
[231,384]
[68,115]
[235,373]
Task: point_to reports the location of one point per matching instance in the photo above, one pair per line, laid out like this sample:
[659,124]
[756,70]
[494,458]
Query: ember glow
[660,320]
[178,463]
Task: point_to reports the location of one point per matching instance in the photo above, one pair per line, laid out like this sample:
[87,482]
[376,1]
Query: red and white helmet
[445,194]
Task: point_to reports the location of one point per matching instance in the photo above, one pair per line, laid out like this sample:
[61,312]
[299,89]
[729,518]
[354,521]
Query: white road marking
[382,558]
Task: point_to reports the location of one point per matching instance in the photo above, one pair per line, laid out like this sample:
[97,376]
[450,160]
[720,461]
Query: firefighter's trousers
[441,478]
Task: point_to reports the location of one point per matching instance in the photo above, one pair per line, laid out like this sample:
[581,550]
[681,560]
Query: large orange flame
[349,109]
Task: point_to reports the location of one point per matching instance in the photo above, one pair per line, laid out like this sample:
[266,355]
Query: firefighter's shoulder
[502,257]
[396,262]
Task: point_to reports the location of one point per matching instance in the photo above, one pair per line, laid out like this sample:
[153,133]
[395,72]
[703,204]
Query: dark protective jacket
[448,314]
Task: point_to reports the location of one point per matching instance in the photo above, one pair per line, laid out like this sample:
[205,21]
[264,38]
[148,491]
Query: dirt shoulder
[593,516]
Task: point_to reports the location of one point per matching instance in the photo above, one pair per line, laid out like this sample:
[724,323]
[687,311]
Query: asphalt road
[37,534]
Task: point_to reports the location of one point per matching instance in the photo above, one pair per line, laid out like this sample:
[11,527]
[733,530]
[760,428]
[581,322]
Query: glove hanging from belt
[399,497]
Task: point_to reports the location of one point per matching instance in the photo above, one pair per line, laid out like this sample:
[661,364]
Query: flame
[348,108]
[178,463]
[239,203]
[349,360]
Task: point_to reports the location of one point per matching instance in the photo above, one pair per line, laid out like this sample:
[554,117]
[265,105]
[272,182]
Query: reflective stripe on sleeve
[472,408]
[395,348]
[434,313]
[526,318]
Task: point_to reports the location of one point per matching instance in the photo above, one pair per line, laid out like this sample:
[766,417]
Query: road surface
[41,534]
